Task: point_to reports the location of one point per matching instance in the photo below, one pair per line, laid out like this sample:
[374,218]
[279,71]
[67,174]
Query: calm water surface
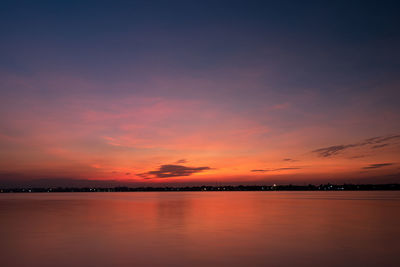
[200,229]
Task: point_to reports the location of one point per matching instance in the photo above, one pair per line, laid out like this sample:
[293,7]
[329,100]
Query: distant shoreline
[324,187]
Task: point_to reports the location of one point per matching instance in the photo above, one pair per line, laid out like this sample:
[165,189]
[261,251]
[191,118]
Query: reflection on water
[200,229]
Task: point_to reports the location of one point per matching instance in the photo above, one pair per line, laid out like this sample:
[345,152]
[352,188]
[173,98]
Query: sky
[199,92]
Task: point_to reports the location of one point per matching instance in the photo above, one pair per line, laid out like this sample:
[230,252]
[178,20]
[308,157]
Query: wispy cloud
[332,150]
[377,165]
[290,160]
[357,157]
[280,106]
[379,146]
[278,169]
[374,142]
[381,139]
[181,161]
[171,170]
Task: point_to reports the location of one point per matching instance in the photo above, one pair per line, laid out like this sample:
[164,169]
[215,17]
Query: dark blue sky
[297,75]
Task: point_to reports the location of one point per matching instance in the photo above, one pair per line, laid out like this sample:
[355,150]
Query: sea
[309,228]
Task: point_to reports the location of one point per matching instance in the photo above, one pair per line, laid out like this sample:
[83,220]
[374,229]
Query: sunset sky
[199,92]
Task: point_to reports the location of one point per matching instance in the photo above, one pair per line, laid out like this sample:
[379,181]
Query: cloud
[278,169]
[171,170]
[280,106]
[381,139]
[290,160]
[377,165]
[375,142]
[181,161]
[379,146]
[332,150]
[357,157]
